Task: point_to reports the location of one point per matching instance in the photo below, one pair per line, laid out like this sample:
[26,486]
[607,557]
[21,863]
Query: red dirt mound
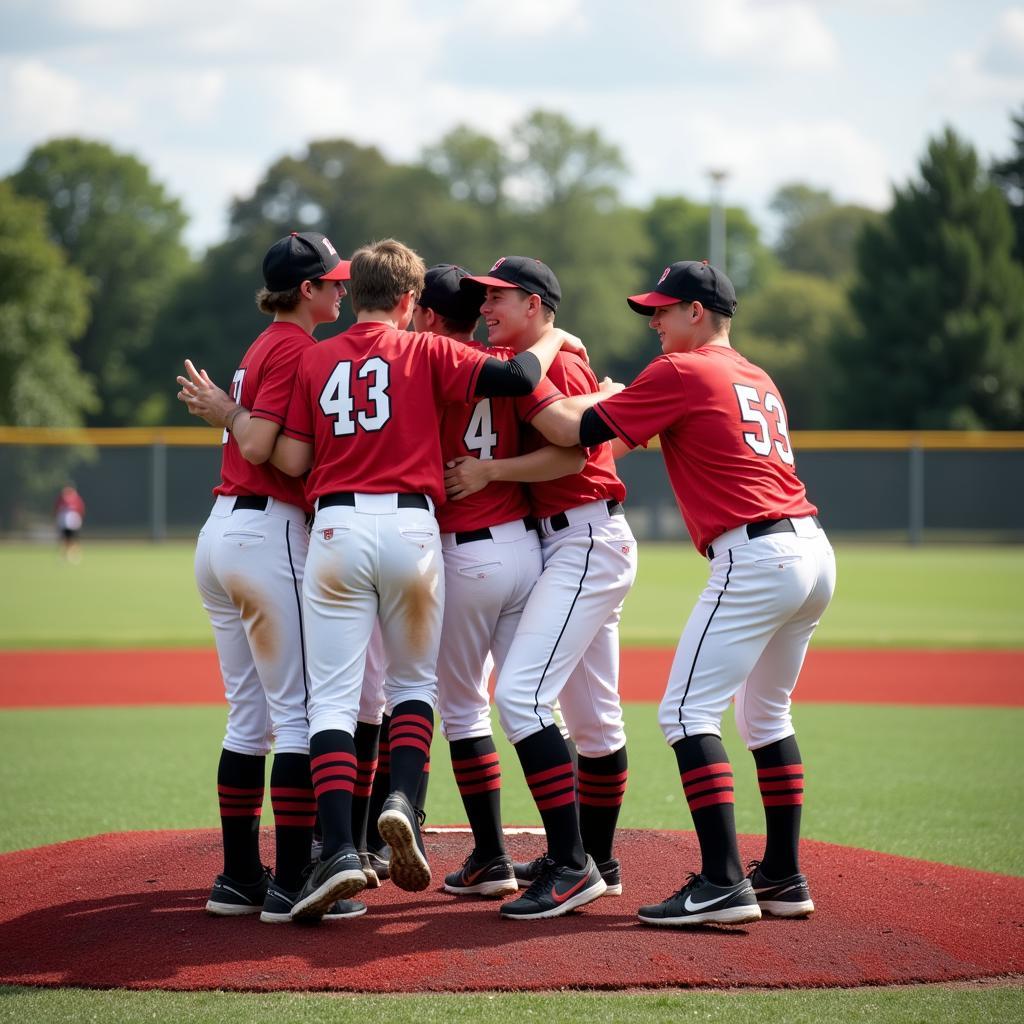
[81,678]
[126,910]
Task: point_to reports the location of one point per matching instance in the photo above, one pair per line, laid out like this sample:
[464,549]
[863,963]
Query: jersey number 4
[755,408]
[480,436]
[236,394]
[336,398]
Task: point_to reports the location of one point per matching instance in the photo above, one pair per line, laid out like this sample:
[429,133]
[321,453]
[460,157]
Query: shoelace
[543,880]
[691,882]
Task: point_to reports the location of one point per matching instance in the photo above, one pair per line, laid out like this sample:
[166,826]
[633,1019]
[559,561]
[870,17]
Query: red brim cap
[650,301]
[342,272]
[493,282]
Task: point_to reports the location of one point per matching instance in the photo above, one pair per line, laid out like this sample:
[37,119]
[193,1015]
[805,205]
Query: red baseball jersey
[488,428]
[263,385]
[724,436]
[569,375]
[369,401]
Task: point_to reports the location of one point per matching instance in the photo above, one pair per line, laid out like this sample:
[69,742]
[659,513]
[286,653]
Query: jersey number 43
[336,398]
[756,408]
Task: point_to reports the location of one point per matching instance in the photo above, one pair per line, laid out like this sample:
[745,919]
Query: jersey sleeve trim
[612,425]
[266,414]
[542,404]
[297,435]
[474,377]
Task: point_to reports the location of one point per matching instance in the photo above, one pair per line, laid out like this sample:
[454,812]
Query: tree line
[910,318]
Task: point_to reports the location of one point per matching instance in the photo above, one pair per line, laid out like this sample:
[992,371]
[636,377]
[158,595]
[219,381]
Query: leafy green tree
[1009,175]
[818,235]
[789,327]
[119,227]
[474,165]
[939,305]
[44,309]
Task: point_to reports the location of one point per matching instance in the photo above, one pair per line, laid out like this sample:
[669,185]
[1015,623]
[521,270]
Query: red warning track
[126,910]
[77,678]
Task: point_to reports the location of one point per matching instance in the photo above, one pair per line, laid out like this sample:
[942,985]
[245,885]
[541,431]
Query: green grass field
[143,595]
[938,783]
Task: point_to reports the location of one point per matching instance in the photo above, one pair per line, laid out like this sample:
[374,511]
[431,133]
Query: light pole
[717,227]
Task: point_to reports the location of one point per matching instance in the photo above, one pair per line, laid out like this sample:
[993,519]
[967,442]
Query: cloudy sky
[842,94]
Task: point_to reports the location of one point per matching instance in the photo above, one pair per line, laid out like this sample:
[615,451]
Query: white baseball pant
[566,647]
[748,634]
[487,584]
[374,560]
[248,567]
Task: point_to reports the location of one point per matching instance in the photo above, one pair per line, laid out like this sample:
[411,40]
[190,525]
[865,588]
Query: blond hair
[382,272]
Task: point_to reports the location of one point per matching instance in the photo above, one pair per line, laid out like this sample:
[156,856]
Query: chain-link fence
[157,484]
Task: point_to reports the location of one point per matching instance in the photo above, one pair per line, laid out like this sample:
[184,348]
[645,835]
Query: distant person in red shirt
[725,439]
[69,511]
[249,567]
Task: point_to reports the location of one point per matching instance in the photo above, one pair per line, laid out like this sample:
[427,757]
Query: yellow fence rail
[806,440]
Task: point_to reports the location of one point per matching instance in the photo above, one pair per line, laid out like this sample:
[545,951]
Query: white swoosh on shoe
[691,906]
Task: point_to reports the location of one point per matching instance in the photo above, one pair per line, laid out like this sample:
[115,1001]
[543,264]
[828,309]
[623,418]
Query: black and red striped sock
[412,729]
[706,775]
[381,787]
[291,796]
[367,740]
[478,776]
[548,770]
[602,785]
[240,783]
[780,776]
[421,793]
[332,758]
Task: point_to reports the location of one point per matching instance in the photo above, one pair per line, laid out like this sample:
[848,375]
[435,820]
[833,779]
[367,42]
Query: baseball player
[492,559]
[364,420]
[69,511]
[725,440]
[565,647]
[249,566]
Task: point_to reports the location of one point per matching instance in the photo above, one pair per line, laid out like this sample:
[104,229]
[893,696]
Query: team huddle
[402,508]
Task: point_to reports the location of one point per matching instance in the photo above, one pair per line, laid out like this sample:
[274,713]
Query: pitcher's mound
[126,910]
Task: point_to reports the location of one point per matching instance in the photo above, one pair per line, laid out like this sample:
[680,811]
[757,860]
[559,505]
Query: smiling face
[325,304]
[676,326]
[511,316]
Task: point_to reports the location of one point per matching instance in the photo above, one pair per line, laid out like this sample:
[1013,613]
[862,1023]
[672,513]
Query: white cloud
[789,35]
[525,18]
[993,71]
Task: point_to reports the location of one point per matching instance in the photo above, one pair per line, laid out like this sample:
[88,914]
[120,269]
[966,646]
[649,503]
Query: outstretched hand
[203,398]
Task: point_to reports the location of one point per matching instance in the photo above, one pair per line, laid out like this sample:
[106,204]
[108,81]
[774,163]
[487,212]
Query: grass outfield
[941,784]
[143,595]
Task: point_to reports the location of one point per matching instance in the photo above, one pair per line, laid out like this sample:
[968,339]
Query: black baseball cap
[444,294]
[688,281]
[302,256]
[534,277]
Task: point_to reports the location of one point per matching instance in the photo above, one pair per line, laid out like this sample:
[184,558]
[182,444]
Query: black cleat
[337,878]
[277,907]
[229,898]
[555,891]
[789,897]
[611,872]
[493,877]
[399,827]
[702,902]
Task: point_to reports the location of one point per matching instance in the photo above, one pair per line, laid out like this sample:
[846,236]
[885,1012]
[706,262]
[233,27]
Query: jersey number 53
[756,408]
[336,398]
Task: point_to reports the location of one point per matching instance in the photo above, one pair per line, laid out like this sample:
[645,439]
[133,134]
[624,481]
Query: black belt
[257,502]
[559,521]
[468,536]
[766,526]
[349,498]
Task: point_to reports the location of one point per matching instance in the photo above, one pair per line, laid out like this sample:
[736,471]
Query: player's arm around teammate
[364,418]
[248,565]
[565,646]
[725,439]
